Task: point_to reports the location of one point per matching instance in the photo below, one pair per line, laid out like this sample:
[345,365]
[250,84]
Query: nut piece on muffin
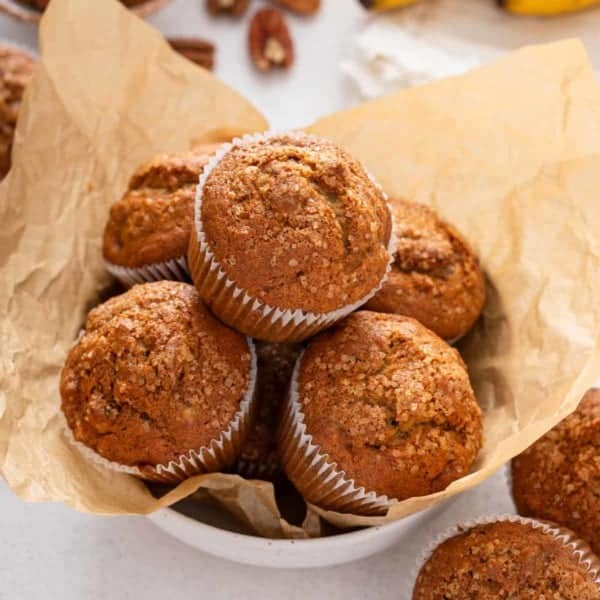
[258,457]
[505,559]
[388,403]
[558,477]
[435,278]
[155,381]
[291,234]
[16,68]
[148,229]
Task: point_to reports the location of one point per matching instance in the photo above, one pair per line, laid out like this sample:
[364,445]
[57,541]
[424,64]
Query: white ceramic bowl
[226,540]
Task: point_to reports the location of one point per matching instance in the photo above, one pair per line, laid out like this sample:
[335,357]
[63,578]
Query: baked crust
[504,560]
[558,477]
[435,277]
[153,376]
[16,68]
[152,222]
[297,223]
[391,404]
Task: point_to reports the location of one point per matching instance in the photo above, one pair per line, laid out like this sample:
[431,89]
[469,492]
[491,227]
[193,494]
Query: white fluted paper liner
[219,453]
[175,269]
[580,549]
[233,304]
[316,478]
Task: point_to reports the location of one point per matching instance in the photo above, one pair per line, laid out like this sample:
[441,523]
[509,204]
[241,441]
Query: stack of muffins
[315,340]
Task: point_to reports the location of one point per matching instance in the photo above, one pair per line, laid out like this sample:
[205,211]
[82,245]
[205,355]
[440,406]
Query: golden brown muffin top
[153,376]
[435,278]
[504,560]
[558,477]
[297,223]
[275,365]
[152,222]
[391,404]
[16,68]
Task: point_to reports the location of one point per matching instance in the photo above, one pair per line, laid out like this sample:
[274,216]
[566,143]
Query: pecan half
[302,7]
[269,40]
[198,51]
[233,7]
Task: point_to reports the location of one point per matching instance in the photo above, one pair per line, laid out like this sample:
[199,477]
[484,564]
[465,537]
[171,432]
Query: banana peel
[386,4]
[546,7]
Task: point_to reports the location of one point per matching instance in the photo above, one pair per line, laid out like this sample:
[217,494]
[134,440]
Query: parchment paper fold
[509,153]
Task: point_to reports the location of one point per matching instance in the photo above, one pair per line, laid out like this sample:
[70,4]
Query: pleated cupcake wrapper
[234,305]
[317,479]
[21,11]
[219,453]
[580,549]
[175,269]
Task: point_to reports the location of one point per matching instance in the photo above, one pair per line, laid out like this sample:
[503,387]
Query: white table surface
[51,552]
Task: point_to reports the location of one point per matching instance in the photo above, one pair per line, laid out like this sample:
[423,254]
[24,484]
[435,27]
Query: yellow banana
[546,7]
[386,4]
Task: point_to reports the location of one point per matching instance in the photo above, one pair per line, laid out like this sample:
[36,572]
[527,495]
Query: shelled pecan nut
[269,40]
[303,7]
[233,7]
[197,50]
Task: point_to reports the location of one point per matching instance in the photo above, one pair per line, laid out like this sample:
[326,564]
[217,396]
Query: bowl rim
[169,514]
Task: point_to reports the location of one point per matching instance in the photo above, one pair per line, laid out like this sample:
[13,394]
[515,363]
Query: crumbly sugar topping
[297,222]
[153,220]
[504,560]
[435,277]
[558,477]
[16,68]
[391,404]
[153,376]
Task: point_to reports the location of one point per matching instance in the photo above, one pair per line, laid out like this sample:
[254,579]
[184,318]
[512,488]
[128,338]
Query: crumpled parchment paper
[509,153]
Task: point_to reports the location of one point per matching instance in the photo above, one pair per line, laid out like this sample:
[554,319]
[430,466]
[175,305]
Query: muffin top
[504,560]
[153,376]
[296,222]
[558,477]
[391,404]
[152,222]
[435,278]
[16,68]
[275,366]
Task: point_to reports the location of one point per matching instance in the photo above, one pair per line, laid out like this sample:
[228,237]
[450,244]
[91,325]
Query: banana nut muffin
[152,222]
[258,457]
[297,224]
[435,278]
[504,560]
[391,404]
[16,68]
[558,477]
[154,376]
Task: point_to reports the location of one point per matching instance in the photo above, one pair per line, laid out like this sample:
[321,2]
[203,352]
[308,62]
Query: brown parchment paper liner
[315,477]
[175,269]
[580,549]
[509,153]
[21,11]
[235,305]
[219,453]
